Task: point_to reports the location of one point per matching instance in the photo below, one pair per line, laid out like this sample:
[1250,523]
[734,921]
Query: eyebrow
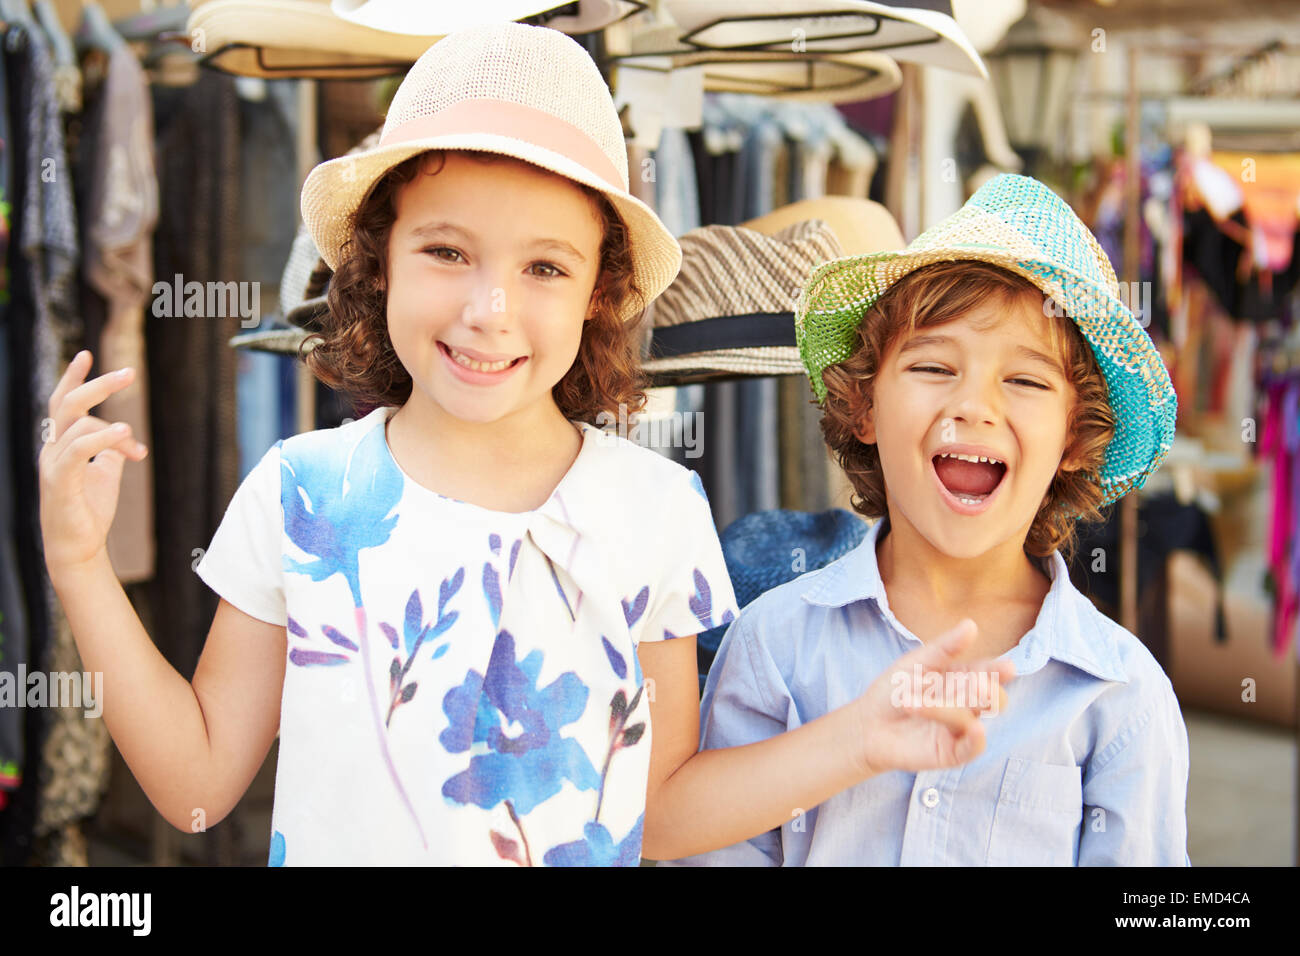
[432,230]
[1024,351]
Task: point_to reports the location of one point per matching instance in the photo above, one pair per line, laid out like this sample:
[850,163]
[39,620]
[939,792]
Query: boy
[983,389]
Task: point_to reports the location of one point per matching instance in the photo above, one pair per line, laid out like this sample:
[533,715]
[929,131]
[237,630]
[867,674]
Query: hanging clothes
[191,368]
[1280,442]
[677,198]
[41,312]
[1239,230]
[1270,203]
[753,155]
[268,216]
[13,614]
[117,225]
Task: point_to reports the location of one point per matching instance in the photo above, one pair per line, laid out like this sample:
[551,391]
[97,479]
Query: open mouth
[969,479]
[474,365]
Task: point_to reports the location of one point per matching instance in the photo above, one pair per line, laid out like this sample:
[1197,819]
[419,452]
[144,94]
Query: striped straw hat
[528,92]
[1019,224]
[730,311]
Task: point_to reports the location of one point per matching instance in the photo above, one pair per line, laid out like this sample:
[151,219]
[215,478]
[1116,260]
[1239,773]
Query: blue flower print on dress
[616,660]
[597,848]
[620,734]
[339,499]
[632,612]
[276,856]
[633,609]
[698,486]
[415,634]
[532,766]
[701,604]
[310,657]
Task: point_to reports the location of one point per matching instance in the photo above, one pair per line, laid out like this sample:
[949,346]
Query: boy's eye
[943,371]
[434,250]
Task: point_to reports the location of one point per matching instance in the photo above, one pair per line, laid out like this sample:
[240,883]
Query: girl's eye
[931,368]
[436,251]
[555,272]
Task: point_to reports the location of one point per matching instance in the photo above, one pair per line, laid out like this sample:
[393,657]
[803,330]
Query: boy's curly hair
[353,353]
[934,295]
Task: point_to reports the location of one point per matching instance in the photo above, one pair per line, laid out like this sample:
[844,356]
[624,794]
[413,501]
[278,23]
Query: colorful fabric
[462,685]
[1269,187]
[1280,440]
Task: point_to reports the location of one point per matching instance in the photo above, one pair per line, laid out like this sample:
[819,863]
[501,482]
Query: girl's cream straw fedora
[523,91]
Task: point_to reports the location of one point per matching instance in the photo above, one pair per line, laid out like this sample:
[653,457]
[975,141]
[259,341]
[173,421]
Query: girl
[465,612]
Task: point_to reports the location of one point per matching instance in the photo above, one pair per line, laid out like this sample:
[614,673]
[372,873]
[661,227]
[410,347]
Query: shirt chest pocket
[1037,818]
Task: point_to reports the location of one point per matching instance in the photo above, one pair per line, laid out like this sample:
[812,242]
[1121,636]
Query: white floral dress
[462,685]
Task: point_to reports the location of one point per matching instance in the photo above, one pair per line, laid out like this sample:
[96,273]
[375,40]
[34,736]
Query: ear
[1069,462]
[865,430]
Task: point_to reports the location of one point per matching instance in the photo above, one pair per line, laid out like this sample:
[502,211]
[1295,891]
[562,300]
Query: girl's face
[491,269]
[986,384]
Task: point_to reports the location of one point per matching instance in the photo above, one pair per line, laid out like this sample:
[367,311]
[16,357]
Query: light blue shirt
[1086,765]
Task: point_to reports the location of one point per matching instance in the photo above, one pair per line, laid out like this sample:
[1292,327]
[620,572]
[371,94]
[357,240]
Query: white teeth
[469,363]
[975,458]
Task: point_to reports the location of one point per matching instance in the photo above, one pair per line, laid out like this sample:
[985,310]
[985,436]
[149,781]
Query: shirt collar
[1069,628]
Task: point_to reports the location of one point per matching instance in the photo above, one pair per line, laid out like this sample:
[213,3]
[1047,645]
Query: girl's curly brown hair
[937,294]
[353,354]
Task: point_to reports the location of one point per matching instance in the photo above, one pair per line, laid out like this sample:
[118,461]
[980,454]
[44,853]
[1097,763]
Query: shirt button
[930,798]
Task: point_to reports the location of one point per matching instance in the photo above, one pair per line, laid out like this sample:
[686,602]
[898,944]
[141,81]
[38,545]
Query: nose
[486,308]
[977,399]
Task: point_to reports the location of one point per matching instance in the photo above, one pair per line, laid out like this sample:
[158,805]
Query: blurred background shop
[146,145]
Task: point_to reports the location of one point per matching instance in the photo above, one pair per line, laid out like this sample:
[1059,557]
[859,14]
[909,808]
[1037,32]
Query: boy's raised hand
[81,465]
[923,712]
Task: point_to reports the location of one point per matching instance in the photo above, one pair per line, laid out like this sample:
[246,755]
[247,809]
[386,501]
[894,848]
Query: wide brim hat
[825,78]
[807,28]
[355,39]
[522,91]
[730,311]
[295,38]
[1017,223]
[279,339]
[402,16]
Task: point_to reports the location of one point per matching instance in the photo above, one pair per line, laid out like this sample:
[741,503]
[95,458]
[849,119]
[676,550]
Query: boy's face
[491,269]
[972,382]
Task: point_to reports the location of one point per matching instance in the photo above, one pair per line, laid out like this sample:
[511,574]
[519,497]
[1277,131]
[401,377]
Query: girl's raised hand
[923,712]
[81,465]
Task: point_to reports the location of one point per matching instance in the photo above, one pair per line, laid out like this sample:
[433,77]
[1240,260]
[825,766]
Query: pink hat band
[514,121]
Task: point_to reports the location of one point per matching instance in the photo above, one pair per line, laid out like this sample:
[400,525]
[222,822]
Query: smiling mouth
[463,360]
[970,482]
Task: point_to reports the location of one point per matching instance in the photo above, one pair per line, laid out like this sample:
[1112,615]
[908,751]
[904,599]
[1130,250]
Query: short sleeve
[693,593]
[243,563]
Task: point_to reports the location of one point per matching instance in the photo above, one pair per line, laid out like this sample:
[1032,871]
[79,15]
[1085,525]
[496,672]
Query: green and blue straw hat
[1017,223]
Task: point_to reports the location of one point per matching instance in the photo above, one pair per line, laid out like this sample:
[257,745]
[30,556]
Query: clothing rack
[1134,96]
